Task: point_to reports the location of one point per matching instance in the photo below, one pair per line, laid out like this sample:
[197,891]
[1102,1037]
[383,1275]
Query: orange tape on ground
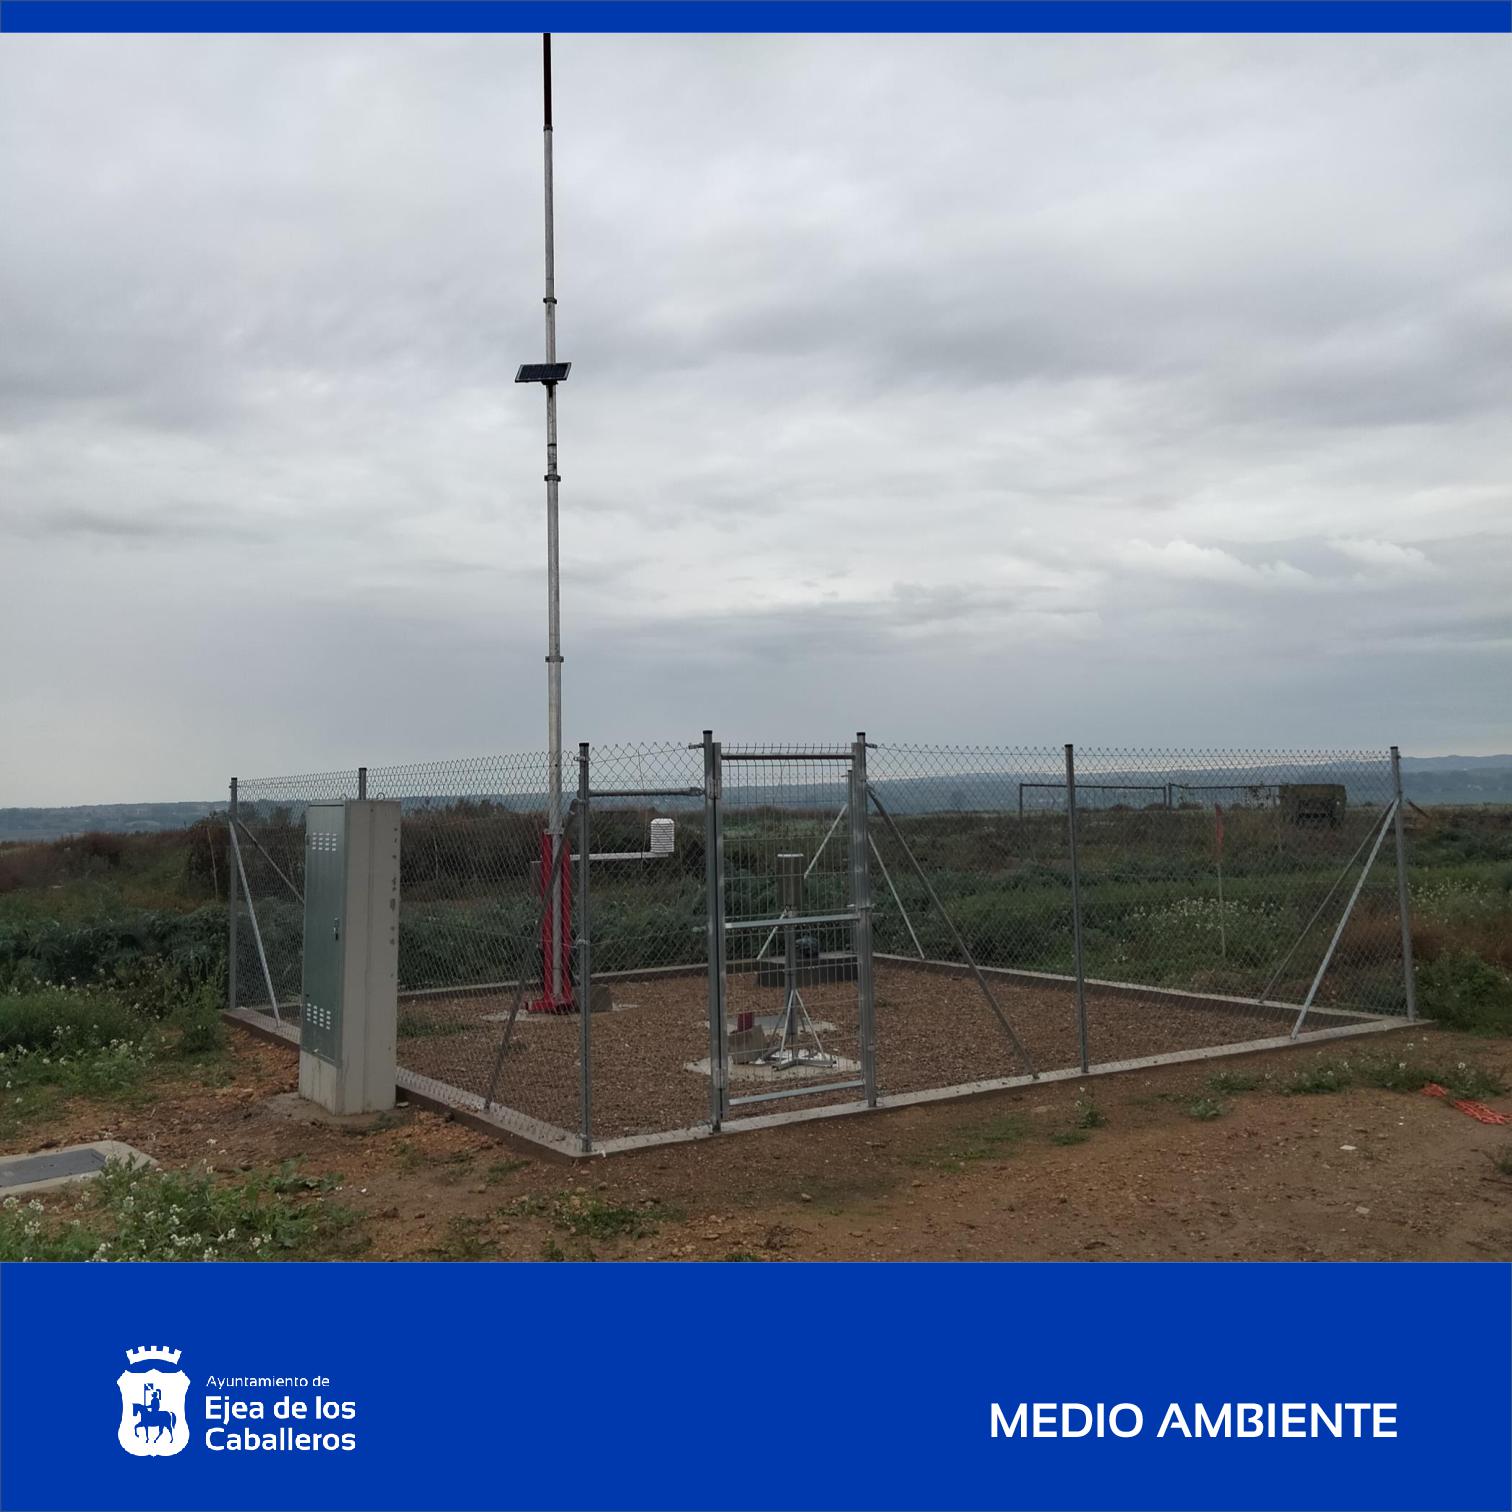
[1470,1108]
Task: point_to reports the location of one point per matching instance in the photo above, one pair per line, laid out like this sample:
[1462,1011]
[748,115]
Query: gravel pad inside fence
[934,1029]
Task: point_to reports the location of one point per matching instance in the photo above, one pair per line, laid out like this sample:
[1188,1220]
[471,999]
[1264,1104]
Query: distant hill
[1480,784]
[115,818]
[1454,763]
[1425,779]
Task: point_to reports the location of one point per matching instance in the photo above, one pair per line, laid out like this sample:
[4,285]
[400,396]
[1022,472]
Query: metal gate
[791,1001]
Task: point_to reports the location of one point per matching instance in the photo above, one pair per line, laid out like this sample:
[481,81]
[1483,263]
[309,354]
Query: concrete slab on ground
[756,1071]
[25,1175]
[296,1109]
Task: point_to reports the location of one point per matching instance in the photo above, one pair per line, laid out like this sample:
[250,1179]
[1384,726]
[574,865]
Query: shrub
[1234,1081]
[140,1213]
[1205,1108]
[1326,1076]
[71,1065]
[1461,1079]
[40,1019]
[198,1022]
[74,858]
[1461,991]
[114,945]
[65,1041]
[587,1216]
[84,1018]
[1088,1114]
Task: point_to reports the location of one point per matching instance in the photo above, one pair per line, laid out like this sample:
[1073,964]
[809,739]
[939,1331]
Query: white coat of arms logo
[154,1420]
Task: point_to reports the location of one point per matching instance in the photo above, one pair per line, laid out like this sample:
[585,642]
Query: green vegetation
[1088,1114]
[587,1216]
[139,914]
[594,1218]
[407,1157]
[102,1042]
[1085,1117]
[988,1139]
[1205,1108]
[500,1170]
[1392,1074]
[96,909]
[1325,1076]
[1461,991]
[1225,1082]
[466,1239]
[36,1021]
[1459,1079]
[140,1213]
[109,940]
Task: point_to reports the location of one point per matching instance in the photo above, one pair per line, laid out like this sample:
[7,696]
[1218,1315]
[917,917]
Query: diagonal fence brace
[525,977]
[283,876]
[1338,933]
[262,955]
[934,898]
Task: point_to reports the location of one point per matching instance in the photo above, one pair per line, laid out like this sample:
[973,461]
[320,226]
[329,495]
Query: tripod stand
[795,1024]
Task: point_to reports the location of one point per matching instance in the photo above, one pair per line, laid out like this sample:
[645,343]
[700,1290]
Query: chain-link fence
[646,926]
[1202,900]
[266,829]
[760,930]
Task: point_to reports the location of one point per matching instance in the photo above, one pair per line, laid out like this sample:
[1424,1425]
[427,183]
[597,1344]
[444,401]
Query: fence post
[714,922]
[233,906]
[861,902]
[361,783]
[1076,918]
[585,957]
[1404,905]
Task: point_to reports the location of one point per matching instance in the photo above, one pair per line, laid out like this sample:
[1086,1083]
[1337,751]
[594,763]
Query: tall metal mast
[553,564]
[549,374]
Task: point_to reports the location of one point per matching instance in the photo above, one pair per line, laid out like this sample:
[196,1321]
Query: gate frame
[858,915]
[582,988]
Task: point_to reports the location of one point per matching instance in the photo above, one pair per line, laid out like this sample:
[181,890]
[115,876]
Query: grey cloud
[1128,389]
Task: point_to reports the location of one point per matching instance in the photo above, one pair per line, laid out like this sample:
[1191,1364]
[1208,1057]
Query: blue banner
[1231,16]
[745,1386]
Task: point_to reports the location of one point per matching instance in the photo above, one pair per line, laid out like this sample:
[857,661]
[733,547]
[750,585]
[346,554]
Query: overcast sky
[1133,391]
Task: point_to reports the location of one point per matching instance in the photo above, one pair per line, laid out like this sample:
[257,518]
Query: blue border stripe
[1230,16]
[631,1387]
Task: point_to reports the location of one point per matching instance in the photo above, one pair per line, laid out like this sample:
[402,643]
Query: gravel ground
[934,1029]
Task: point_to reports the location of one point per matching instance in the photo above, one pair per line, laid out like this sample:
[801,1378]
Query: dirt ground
[1023,1175]
[934,1029]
